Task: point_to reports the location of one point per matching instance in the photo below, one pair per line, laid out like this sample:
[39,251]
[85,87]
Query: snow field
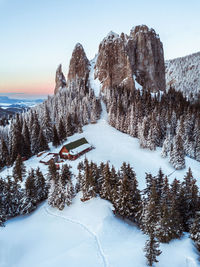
[84,234]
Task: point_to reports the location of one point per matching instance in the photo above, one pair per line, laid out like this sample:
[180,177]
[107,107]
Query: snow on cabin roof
[76,144]
[47,158]
[79,149]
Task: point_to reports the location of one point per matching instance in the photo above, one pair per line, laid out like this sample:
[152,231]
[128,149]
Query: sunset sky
[37,35]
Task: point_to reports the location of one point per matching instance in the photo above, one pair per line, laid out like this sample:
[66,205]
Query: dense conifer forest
[164,119]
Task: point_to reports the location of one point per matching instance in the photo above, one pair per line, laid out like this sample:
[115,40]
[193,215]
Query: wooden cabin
[75,149]
[50,157]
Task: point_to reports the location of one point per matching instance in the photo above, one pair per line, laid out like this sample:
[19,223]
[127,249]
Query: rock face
[125,61]
[139,54]
[146,55]
[113,66]
[60,79]
[79,66]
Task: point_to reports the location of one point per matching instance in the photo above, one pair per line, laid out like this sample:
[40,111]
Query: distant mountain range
[9,106]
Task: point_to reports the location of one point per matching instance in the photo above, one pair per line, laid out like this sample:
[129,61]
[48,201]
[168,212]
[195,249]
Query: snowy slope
[94,83]
[87,234]
[84,234]
[184,74]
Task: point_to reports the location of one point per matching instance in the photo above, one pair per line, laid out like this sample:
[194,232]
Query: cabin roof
[76,144]
[47,158]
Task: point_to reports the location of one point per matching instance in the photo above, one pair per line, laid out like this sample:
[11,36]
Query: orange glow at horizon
[39,90]
[28,86]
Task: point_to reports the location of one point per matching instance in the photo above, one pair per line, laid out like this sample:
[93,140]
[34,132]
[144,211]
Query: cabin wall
[63,150]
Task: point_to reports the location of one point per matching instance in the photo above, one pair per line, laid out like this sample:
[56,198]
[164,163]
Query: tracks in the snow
[100,250]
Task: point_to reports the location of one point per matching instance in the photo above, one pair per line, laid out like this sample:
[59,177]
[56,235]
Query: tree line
[53,121]
[164,119]
[16,199]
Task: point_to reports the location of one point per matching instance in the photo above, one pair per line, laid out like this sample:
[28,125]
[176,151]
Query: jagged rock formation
[123,61]
[139,54]
[60,79]
[183,74]
[146,55]
[113,66]
[79,66]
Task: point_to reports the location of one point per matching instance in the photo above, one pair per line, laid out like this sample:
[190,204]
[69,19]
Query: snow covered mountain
[122,60]
[183,74]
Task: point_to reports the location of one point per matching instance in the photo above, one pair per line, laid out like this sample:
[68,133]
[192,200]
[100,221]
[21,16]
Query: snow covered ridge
[184,74]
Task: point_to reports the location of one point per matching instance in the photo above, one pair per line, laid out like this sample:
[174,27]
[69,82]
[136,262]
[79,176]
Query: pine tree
[47,124]
[177,155]
[40,185]
[190,199]
[152,250]
[16,143]
[42,142]
[4,155]
[151,141]
[35,134]
[197,148]
[27,141]
[164,229]
[69,125]
[105,191]
[151,212]
[53,177]
[195,231]
[3,200]
[56,141]
[166,146]
[61,130]
[128,203]
[88,182]
[31,190]
[19,170]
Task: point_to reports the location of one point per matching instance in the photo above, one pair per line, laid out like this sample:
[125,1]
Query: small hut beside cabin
[50,157]
[75,149]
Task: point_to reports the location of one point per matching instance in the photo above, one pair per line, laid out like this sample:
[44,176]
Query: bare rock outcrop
[146,55]
[79,66]
[60,79]
[122,61]
[113,66]
[139,55]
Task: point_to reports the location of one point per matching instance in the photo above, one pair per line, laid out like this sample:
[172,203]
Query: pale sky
[37,35]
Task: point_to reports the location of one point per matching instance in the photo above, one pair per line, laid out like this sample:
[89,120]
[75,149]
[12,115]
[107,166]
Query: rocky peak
[112,67]
[59,79]
[139,54]
[79,65]
[146,55]
[122,61]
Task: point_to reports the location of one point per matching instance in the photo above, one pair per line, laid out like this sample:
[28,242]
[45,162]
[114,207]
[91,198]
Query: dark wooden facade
[65,150]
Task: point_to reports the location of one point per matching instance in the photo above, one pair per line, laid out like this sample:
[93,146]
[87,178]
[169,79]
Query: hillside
[184,74]
[49,237]
[85,234]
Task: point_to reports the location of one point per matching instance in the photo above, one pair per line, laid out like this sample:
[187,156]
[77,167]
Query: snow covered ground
[84,234]
[87,234]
